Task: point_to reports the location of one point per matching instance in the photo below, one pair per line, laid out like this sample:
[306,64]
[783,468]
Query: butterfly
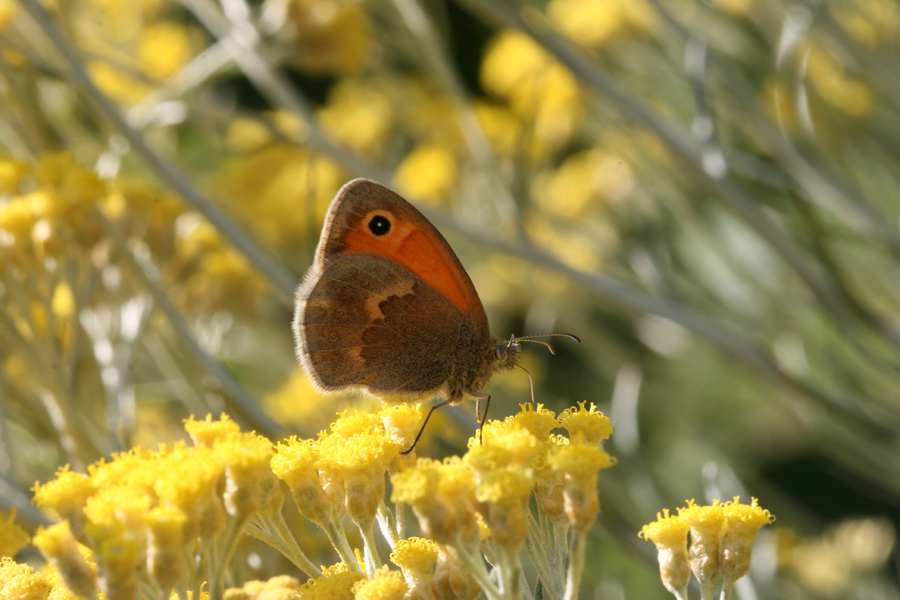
[387,307]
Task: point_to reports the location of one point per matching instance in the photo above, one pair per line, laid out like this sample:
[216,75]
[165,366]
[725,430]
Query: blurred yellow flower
[580,183]
[594,22]
[358,114]
[332,36]
[428,173]
[119,85]
[12,537]
[281,587]
[540,90]
[872,23]
[836,87]
[164,48]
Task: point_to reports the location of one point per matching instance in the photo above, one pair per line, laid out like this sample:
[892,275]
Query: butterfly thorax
[487,357]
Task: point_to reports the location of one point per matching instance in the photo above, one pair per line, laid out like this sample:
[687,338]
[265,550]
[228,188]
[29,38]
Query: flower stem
[576,563]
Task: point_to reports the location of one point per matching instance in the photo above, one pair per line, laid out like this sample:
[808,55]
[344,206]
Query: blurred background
[705,192]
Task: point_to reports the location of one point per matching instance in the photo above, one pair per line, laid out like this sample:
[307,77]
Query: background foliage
[704,192]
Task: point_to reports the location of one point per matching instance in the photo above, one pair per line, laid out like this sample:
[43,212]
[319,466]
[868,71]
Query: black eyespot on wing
[379,225]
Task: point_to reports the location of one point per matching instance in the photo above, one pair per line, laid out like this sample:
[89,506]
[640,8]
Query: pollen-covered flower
[206,432]
[12,537]
[708,527]
[442,496]
[165,545]
[503,445]
[66,495]
[60,548]
[452,579]
[504,495]
[295,462]
[281,587]
[585,424]
[538,420]
[416,557]
[401,423]
[549,483]
[670,536]
[362,460]
[744,522]
[21,581]
[190,482]
[384,585]
[336,583]
[580,464]
[248,476]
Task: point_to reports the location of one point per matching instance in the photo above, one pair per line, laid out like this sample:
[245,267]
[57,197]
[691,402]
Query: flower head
[586,425]
[670,536]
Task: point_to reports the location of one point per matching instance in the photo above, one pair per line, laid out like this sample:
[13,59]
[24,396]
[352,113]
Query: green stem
[373,559]
[229,543]
[475,566]
[388,524]
[576,563]
[276,533]
[338,539]
[509,573]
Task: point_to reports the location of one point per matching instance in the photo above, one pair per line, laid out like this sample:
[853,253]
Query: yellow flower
[332,36]
[281,587]
[586,425]
[21,582]
[164,48]
[500,126]
[708,527]
[744,522]
[538,421]
[361,460]
[428,173]
[539,89]
[188,480]
[66,495]
[12,172]
[504,495]
[829,78]
[402,423]
[384,585]
[206,432]
[165,545]
[336,583]
[595,22]
[248,476]
[504,445]
[12,537]
[359,115]
[670,536]
[59,547]
[416,557]
[579,463]
[442,496]
[452,579]
[295,463]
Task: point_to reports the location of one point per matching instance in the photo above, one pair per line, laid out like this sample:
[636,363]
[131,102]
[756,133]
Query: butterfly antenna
[532,338]
[530,382]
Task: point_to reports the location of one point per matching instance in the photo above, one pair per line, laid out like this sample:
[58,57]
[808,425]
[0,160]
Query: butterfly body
[388,308]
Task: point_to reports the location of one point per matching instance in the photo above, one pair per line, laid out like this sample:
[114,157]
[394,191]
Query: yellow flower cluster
[722,537]
[494,482]
[170,516]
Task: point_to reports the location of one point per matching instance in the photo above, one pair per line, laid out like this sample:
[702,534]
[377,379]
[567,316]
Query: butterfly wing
[364,321]
[410,241]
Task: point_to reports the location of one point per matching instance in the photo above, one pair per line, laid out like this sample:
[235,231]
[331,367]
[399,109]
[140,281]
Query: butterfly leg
[422,428]
[478,416]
